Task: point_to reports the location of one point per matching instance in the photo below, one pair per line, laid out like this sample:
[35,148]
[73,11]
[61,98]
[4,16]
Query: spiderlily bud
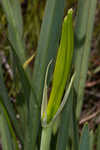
[62,68]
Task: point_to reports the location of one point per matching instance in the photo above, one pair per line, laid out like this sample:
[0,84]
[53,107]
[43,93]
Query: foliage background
[33,11]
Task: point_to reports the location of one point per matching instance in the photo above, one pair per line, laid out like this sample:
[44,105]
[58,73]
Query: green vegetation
[49,93]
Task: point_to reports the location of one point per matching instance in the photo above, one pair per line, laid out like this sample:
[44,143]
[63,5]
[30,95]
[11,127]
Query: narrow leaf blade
[84,141]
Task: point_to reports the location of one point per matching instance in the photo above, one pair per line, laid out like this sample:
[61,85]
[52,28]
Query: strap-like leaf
[84,141]
[5,100]
[8,128]
[15,26]
[5,134]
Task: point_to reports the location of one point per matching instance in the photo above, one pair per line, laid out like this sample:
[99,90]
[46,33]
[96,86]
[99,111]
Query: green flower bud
[62,68]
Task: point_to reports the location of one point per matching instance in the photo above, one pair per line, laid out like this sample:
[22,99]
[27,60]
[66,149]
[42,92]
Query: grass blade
[98,138]
[26,86]
[83,35]
[62,140]
[5,135]
[7,103]
[15,26]
[91,147]
[74,131]
[84,141]
[8,128]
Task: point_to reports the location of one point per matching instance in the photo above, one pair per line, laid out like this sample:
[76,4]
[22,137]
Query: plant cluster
[42,117]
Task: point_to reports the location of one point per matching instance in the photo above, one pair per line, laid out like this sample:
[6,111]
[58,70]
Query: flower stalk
[50,110]
[46,138]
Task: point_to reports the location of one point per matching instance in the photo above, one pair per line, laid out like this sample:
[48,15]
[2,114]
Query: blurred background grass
[33,11]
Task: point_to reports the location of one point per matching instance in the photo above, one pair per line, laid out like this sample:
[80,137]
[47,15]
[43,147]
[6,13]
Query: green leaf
[26,87]
[83,35]
[8,105]
[5,135]
[91,147]
[74,129]
[63,134]
[98,138]
[12,10]
[96,70]
[84,141]
[8,132]
[15,26]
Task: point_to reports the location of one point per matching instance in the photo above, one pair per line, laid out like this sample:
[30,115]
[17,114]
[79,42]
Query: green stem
[46,138]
